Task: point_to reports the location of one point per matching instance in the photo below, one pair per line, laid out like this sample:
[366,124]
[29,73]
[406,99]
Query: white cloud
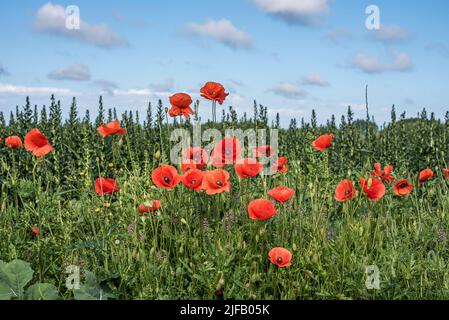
[23,90]
[51,18]
[400,62]
[314,79]
[107,86]
[76,72]
[303,12]
[165,86]
[390,34]
[222,31]
[132,92]
[288,90]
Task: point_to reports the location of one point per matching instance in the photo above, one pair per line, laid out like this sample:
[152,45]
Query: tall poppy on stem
[384,174]
[226,151]
[112,128]
[151,206]
[280,257]
[261,209]
[345,191]
[194,158]
[13,142]
[424,176]
[166,177]
[36,142]
[106,186]
[180,105]
[323,142]
[248,168]
[216,181]
[216,93]
[373,188]
[402,188]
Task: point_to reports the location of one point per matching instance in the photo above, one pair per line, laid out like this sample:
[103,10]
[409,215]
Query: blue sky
[291,55]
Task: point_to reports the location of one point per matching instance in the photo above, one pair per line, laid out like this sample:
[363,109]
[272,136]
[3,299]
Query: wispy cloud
[390,34]
[222,31]
[302,12]
[314,79]
[400,62]
[24,90]
[338,35]
[76,72]
[106,85]
[440,48]
[288,90]
[165,86]
[50,19]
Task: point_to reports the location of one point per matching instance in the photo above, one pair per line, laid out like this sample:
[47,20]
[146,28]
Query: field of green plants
[200,246]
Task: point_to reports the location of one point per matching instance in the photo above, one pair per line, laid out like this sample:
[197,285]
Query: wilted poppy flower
[373,188]
[226,151]
[445,173]
[193,179]
[166,177]
[180,105]
[281,165]
[195,158]
[112,128]
[106,186]
[216,181]
[323,142]
[280,257]
[384,174]
[261,209]
[345,191]
[264,151]
[281,194]
[36,142]
[214,91]
[35,230]
[425,175]
[13,142]
[151,206]
[402,188]
[248,168]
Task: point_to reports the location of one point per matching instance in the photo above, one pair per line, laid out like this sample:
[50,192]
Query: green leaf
[42,291]
[14,276]
[91,289]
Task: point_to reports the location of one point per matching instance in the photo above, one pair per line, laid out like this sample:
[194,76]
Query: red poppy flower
[226,151]
[261,209]
[166,177]
[216,181]
[445,173]
[180,105]
[281,194]
[112,128]
[151,206]
[323,142]
[214,91]
[264,151]
[193,179]
[425,175]
[373,188]
[35,230]
[13,142]
[384,174]
[37,142]
[345,191]
[402,188]
[195,158]
[248,168]
[280,257]
[281,165]
[106,186]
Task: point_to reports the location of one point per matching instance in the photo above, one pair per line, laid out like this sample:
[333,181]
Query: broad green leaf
[91,289]
[14,276]
[42,291]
